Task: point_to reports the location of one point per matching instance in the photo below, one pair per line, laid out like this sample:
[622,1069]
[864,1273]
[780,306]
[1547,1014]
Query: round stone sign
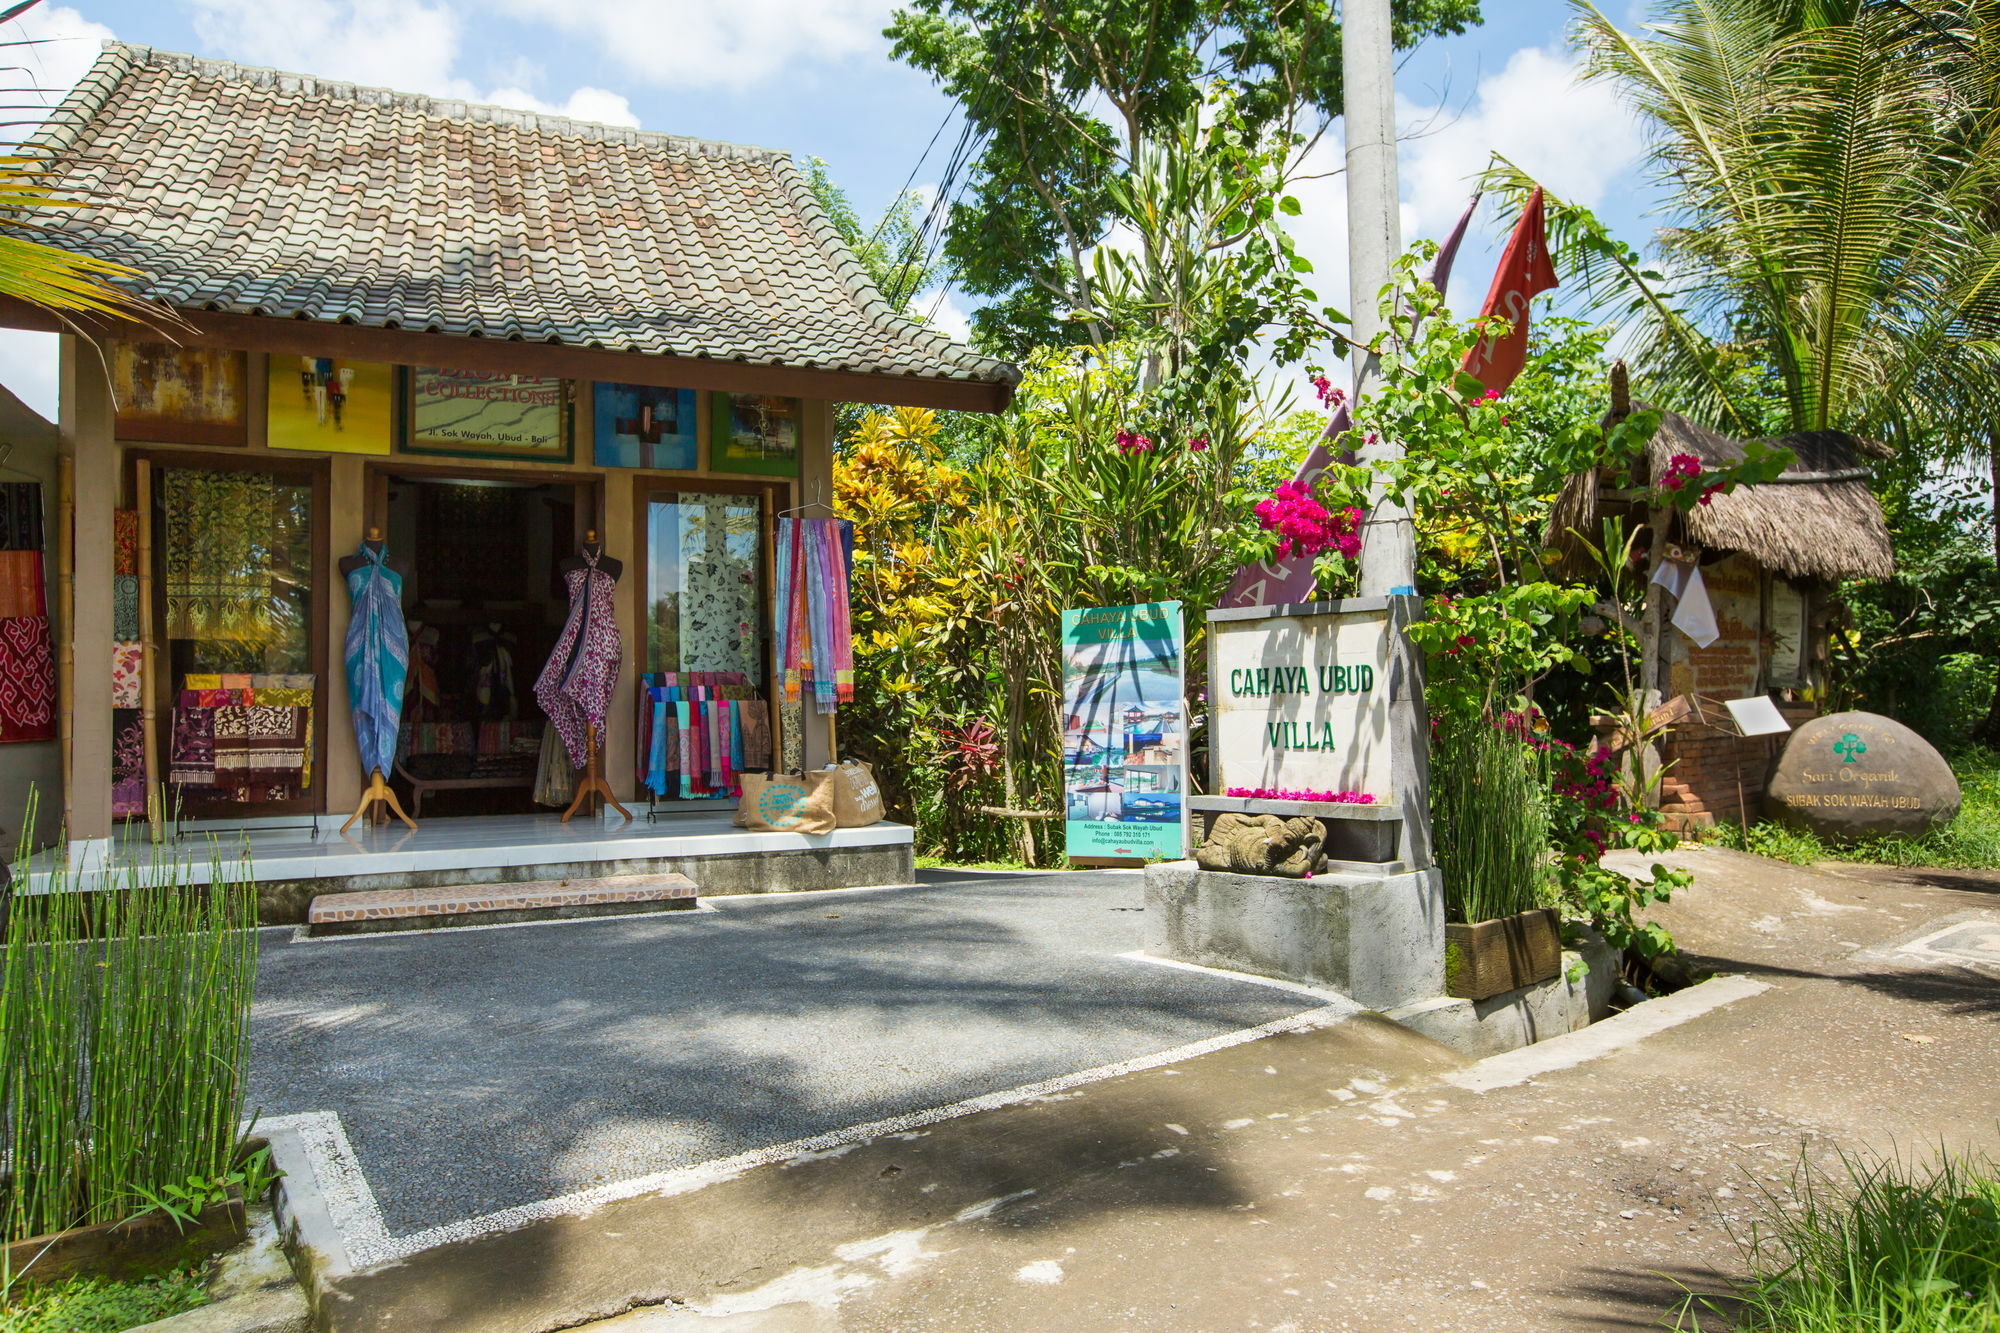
[1849,776]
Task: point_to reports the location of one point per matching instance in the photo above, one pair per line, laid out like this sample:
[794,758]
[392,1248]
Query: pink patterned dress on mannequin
[575,687]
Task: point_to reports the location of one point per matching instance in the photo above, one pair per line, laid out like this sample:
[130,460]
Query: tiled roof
[263,193]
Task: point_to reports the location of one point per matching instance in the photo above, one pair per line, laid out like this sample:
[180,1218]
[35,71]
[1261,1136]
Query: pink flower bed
[1284,794]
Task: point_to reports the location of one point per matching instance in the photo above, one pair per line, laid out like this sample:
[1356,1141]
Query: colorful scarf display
[27,680]
[27,653]
[699,731]
[21,516]
[377,653]
[249,742]
[814,635]
[128,762]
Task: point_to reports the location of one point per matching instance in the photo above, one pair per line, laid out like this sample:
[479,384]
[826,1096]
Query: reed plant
[124,1036]
[1489,820]
[1890,1245]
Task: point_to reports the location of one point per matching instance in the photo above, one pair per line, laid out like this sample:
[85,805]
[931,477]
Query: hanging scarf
[813,630]
[378,658]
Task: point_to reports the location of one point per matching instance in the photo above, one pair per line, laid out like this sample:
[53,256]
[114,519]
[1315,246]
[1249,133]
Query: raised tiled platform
[291,869]
[497,904]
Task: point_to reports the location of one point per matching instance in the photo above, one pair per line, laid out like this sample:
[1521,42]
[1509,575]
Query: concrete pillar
[88,439]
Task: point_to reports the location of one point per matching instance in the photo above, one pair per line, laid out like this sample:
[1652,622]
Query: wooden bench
[497,904]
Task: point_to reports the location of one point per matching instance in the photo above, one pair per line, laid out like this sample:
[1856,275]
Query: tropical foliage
[1062,100]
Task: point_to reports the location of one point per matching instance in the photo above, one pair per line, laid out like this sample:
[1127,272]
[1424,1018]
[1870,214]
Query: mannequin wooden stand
[593,783]
[379,792]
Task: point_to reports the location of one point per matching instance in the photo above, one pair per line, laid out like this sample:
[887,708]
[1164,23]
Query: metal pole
[1388,540]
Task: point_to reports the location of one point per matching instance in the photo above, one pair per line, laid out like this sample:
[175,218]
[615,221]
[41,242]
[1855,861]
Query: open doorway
[484,602]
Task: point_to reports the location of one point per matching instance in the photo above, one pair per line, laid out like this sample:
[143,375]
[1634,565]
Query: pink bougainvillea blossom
[1198,443]
[1681,469]
[1305,526]
[1130,443]
[1287,794]
[1328,394]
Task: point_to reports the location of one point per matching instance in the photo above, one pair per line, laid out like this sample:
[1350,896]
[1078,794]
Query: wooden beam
[501,356]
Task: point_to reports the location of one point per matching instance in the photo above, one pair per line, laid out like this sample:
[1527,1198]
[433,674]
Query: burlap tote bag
[786,803]
[857,800]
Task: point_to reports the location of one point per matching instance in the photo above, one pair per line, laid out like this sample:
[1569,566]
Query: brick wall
[1706,764]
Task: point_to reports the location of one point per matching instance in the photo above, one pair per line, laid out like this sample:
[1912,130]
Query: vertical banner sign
[1124,731]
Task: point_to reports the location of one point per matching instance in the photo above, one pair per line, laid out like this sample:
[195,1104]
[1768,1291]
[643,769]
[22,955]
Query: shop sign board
[1301,702]
[1124,732]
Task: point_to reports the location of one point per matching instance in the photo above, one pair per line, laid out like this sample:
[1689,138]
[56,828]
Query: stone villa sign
[1301,702]
[1849,776]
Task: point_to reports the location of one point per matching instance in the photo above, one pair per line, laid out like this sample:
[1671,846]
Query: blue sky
[814,77]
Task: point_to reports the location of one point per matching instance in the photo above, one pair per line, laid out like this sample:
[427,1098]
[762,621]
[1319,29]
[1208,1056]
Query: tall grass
[1489,821]
[124,1035]
[1887,1246]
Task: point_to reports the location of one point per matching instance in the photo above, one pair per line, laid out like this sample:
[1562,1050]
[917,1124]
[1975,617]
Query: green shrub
[96,1305]
[1489,821]
[1886,1247]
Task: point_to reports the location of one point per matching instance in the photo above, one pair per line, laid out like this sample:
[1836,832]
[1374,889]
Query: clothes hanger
[809,504]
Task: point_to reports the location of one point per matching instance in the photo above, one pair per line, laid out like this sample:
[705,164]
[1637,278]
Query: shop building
[486,338]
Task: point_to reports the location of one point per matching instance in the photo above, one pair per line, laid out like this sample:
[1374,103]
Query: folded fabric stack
[243,737]
[27,654]
[699,731]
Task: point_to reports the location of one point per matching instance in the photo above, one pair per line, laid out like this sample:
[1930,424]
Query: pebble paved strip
[455,900]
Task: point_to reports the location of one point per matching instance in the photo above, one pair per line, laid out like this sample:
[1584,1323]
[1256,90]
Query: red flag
[1524,270]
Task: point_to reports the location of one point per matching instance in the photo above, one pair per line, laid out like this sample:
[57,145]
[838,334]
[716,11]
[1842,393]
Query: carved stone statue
[1264,845]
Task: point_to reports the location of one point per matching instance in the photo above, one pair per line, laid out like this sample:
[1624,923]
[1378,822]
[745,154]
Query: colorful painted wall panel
[331,404]
[756,433]
[638,425]
[179,395]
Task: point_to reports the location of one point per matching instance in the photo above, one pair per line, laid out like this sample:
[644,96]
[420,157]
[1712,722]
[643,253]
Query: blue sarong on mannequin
[378,658]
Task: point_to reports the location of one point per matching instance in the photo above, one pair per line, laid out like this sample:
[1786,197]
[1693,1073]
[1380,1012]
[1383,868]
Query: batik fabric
[575,687]
[377,653]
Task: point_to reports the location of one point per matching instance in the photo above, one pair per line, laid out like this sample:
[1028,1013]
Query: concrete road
[476,1070]
[1340,1179]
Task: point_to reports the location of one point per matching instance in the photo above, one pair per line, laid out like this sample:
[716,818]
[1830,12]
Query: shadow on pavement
[1960,991]
[1684,1297]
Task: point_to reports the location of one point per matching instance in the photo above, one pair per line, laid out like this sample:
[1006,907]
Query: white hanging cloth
[1695,616]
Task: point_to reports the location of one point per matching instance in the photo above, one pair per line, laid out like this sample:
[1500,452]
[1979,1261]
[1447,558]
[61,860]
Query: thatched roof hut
[1819,520]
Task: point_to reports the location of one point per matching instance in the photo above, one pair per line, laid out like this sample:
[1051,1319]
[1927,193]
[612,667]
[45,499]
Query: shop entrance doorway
[484,601]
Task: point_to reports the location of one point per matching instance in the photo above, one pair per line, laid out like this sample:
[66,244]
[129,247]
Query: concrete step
[497,904]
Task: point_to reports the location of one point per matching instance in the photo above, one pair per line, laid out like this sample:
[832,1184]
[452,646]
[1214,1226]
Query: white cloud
[29,366]
[1578,139]
[66,44]
[707,44]
[586,103]
[411,47]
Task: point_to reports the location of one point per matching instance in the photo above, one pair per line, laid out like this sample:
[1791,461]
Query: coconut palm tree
[34,271]
[1828,172]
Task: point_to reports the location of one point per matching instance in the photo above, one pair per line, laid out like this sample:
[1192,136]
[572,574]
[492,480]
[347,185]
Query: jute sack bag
[857,800]
[786,803]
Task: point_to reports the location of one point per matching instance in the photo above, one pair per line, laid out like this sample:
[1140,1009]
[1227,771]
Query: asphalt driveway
[477,1070]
